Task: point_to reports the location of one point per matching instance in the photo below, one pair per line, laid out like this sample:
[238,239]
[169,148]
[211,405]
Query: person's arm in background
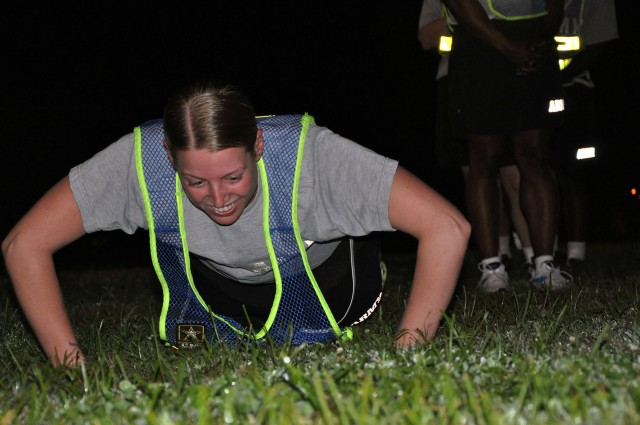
[547,46]
[432,24]
[472,15]
[429,34]
[52,223]
[553,18]
[442,233]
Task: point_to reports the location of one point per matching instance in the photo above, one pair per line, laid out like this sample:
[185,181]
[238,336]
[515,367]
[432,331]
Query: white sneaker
[549,277]
[494,278]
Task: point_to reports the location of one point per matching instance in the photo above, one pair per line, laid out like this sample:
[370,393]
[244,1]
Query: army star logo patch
[190,335]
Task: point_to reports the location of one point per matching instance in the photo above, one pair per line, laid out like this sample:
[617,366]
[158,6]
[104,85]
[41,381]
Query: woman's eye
[196,183]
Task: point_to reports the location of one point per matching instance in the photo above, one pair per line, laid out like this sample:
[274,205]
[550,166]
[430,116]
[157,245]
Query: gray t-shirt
[343,191]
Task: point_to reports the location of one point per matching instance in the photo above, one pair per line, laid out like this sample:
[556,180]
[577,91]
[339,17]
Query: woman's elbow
[458,228]
[464,227]
[7,245]
[18,245]
[11,246]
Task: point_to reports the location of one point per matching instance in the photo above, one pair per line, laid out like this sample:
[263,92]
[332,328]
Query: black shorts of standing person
[451,152]
[499,101]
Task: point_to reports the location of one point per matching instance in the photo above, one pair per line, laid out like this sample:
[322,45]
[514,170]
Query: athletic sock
[528,254]
[490,260]
[504,247]
[516,241]
[576,250]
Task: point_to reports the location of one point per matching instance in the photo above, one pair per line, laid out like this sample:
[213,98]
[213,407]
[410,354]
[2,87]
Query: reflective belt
[565,44]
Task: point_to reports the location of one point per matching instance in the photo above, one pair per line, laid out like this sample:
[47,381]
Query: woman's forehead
[205,161]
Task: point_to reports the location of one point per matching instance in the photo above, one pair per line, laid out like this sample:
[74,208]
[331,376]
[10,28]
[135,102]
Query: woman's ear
[258,147]
[166,147]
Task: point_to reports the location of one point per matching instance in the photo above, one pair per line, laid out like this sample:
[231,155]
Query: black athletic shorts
[350,280]
[488,98]
[451,151]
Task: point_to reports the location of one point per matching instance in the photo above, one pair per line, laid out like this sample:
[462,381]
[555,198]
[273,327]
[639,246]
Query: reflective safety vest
[299,312]
[511,10]
[508,10]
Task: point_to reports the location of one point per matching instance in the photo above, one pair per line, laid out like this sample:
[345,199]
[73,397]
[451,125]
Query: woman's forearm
[53,222]
[439,259]
[38,292]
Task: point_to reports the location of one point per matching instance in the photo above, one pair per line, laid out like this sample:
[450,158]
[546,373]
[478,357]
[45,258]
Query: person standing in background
[452,151]
[588,26]
[505,91]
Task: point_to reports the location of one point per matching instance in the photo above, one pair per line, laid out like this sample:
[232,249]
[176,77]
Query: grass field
[517,358]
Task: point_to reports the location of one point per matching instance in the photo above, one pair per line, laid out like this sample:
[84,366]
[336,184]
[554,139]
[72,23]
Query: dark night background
[77,77]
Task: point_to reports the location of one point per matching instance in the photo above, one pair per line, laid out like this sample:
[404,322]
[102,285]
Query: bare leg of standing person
[539,202]
[485,155]
[574,208]
[510,179]
[504,227]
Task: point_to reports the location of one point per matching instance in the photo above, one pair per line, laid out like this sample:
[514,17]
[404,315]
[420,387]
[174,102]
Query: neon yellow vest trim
[344,334]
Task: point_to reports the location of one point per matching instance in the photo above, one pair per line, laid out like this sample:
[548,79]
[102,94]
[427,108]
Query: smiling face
[213,142]
[222,183]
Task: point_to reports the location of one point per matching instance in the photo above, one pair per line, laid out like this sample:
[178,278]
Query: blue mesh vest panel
[300,314]
[185,321]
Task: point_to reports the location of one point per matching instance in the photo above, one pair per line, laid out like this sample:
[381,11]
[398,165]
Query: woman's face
[222,183]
